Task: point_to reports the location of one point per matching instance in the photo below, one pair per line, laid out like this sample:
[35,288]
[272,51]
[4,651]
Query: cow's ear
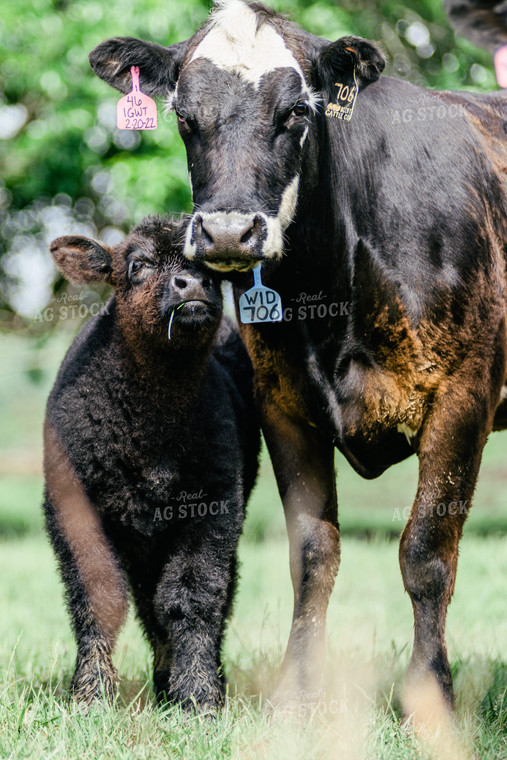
[348,56]
[82,260]
[159,66]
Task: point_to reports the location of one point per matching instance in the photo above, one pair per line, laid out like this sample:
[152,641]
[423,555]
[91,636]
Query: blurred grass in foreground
[369,640]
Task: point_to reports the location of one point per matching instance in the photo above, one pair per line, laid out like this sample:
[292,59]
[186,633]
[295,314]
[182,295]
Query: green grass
[369,638]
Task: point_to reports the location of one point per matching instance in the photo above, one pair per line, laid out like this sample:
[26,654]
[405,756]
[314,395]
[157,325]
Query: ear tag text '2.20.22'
[260,304]
[136,110]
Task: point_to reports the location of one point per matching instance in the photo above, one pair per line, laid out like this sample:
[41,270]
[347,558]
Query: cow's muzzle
[233,240]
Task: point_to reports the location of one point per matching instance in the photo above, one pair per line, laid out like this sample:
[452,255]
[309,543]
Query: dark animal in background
[399,216]
[483,22]
[150,454]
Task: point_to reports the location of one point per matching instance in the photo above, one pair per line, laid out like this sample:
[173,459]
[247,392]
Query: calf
[389,200]
[150,453]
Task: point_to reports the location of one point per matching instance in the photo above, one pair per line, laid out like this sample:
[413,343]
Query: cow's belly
[372,449]
[378,416]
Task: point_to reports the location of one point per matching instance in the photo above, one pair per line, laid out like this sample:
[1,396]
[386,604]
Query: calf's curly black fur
[151,446]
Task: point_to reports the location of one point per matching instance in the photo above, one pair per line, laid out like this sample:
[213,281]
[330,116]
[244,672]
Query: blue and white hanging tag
[260,304]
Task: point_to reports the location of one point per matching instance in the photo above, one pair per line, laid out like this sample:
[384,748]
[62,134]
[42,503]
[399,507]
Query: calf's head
[163,300]
[246,89]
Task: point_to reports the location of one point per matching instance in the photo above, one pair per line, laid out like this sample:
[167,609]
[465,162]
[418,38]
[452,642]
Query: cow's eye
[300,109]
[183,120]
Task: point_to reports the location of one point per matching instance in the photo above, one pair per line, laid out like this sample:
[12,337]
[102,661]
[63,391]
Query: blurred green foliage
[67,168]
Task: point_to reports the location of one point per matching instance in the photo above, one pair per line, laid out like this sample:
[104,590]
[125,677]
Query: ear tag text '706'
[260,304]
[346,96]
[136,110]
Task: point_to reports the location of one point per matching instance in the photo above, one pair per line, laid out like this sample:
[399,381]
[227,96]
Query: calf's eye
[138,265]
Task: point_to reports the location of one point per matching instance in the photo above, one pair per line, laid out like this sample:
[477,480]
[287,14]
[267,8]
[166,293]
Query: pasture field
[369,622]
[369,635]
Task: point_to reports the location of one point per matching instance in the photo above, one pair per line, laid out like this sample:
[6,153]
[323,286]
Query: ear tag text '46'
[346,96]
[136,110]
[260,304]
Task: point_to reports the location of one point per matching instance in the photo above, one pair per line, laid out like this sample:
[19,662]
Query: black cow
[399,215]
[484,22]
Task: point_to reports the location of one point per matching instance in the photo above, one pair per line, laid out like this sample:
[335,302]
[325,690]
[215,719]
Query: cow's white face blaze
[241,88]
[244,222]
[235,43]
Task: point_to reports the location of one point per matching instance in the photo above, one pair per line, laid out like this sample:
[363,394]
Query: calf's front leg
[95,586]
[191,603]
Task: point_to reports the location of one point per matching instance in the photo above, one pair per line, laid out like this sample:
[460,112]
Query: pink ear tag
[136,110]
[501,66]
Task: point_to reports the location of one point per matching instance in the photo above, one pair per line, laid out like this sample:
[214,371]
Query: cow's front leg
[304,468]
[449,457]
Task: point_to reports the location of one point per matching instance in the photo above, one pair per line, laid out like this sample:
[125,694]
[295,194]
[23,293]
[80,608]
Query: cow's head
[246,89]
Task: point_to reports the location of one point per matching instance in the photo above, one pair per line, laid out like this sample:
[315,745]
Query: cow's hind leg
[95,587]
[450,452]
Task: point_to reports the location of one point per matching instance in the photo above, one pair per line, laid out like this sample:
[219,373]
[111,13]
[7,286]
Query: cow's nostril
[202,233]
[247,235]
[180,283]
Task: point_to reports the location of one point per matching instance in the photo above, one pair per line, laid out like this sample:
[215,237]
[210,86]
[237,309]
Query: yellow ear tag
[345,100]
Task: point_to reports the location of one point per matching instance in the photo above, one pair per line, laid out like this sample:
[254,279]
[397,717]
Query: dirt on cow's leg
[449,452]
[304,468]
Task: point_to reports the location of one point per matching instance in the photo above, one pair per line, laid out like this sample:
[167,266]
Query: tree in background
[66,168]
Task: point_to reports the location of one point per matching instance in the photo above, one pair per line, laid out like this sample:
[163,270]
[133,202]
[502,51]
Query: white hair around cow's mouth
[233,254]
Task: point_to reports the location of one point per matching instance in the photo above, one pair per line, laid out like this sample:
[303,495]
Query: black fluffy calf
[151,447]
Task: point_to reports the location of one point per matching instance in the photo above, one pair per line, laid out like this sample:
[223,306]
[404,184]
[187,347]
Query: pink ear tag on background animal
[260,304]
[501,66]
[136,110]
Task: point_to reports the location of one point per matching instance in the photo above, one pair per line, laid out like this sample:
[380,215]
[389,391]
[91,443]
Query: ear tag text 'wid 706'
[501,66]
[260,304]
[136,110]
[346,96]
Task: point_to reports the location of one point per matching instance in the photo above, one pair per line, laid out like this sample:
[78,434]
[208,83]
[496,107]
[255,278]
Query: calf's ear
[82,260]
[159,66]
[347,57]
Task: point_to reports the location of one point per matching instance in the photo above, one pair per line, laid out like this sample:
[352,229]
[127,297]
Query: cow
[483,22]
[392,205]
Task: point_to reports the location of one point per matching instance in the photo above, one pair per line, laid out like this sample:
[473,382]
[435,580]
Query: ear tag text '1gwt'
[136,110]
[260,304]
[346,96]
[501,66]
